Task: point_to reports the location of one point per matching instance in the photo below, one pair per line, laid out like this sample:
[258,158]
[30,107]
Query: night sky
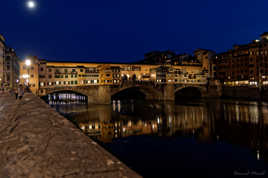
[123,30]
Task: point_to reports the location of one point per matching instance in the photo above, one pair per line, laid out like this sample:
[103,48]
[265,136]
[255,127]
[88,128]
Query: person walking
[20,92]
[16,93]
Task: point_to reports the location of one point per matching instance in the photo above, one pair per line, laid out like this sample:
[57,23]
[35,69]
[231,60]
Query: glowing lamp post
[28,64]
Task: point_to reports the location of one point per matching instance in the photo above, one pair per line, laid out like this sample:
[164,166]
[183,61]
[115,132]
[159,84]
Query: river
[211,138]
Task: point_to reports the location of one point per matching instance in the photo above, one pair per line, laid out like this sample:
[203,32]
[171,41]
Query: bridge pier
[101,96]
[168,93]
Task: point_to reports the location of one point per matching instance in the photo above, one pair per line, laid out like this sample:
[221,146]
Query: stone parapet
[36,141]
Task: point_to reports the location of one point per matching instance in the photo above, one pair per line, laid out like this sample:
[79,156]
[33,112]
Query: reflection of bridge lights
[169,119]
[129,123]
[258,154]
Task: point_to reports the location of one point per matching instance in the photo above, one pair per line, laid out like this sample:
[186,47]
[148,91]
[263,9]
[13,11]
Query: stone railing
[35,141]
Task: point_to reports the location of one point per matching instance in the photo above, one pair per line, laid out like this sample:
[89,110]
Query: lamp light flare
[28,62]
[31,4]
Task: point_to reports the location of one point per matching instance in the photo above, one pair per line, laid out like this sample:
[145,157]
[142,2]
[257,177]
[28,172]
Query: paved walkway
[35,141]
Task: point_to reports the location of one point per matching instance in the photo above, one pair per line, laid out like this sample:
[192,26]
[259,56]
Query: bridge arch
[65,97]
[141,92]
[189,92]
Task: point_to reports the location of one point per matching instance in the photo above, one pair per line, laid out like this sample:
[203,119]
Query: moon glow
[31,4]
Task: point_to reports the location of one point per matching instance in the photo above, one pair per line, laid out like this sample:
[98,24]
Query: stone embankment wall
[241,93]
[35,141]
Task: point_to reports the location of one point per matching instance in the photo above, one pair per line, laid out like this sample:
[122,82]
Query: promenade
[35,141]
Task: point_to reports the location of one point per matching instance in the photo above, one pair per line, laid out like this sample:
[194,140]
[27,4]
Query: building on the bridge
[43,76]
[9,67]
[161,74]
[91,76]
[205,57]
[244,65]
[110,74]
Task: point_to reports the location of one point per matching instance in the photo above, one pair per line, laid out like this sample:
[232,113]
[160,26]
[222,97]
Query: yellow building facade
[41,74]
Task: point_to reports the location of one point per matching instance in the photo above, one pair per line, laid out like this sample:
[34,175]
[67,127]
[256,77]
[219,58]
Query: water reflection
[237,123]
[64,98]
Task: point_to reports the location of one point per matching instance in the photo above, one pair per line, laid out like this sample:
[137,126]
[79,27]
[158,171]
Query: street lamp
[28,64]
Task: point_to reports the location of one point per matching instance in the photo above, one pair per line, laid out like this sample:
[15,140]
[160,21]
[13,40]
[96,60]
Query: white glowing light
[31,4]
[25,76]
[28,62]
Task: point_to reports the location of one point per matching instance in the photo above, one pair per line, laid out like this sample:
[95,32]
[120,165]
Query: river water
[211,138]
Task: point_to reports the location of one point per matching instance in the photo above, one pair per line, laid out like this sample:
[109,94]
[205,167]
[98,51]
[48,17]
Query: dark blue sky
[123,30]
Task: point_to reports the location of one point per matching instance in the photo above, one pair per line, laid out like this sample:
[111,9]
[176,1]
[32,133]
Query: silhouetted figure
[27,89]
[20,92]
[16,93]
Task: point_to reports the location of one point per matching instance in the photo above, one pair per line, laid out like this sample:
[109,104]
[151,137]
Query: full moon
[31,4]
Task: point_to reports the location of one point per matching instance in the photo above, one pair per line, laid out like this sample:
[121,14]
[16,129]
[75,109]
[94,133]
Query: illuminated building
[244,65]
[9,66]
[42,75]
[2,53]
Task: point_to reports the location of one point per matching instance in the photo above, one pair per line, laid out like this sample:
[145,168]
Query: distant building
[9,66]
[205,57]
[244,65]
[2,57]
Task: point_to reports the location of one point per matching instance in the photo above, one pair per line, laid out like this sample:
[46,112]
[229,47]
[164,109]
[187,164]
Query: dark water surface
[214,138]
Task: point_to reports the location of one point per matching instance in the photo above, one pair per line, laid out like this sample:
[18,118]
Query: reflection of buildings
[100,123]
[235,123]
[243,124]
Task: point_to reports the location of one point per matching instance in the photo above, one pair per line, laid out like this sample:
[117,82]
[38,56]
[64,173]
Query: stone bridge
[102,94]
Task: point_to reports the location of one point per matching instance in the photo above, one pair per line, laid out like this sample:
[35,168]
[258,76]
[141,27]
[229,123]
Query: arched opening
[129,94]
[65,97]
[128,101]
[188,93]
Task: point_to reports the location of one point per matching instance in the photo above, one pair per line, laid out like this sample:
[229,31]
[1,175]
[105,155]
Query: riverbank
[36,141]
[245,93]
